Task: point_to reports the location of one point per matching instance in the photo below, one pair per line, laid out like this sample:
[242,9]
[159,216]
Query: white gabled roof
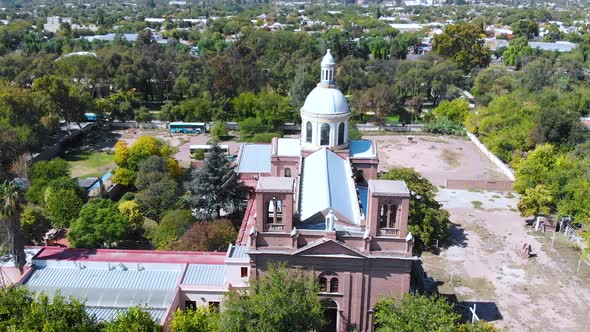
[328,183]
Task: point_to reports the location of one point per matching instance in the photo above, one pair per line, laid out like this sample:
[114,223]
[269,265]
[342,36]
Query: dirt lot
[543,293]
[484,260]
[438,158]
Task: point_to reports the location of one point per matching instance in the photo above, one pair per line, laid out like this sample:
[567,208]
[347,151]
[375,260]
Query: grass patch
[477,204]
[509,195]
[392,119]
[496,196]
[89,164]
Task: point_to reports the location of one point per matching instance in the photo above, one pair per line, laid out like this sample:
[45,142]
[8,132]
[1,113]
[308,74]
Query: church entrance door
[330,316]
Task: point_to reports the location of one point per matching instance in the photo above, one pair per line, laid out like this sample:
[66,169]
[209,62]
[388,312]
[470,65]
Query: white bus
[207,148]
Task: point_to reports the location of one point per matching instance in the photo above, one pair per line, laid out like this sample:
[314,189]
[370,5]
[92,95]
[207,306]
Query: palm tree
[10,215]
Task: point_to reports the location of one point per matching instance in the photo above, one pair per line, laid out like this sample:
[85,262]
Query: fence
[480,185]
[492,157]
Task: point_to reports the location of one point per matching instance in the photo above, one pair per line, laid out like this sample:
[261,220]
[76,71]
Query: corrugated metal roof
[328,183]
[238,252]
[255,158]
[109,313]
[47,276]
[104,287]
[204,274]
[361,149]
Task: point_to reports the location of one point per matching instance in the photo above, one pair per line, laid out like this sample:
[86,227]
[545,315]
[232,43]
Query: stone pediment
[328,247]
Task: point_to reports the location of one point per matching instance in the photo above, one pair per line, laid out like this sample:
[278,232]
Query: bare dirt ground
[483,256]
[542,293]
[438,158]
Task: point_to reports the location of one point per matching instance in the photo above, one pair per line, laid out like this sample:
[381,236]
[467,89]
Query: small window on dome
[341,133]
[325,134]
[308,132]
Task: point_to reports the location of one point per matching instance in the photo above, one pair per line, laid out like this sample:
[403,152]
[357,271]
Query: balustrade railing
[388,232]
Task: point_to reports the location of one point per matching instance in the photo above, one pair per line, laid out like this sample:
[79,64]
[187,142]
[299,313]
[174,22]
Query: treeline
[530,118]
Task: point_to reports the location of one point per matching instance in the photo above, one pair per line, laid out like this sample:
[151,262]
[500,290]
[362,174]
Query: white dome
[323,100]
[328,59]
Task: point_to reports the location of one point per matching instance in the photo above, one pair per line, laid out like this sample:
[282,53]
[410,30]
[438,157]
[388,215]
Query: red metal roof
[130,256]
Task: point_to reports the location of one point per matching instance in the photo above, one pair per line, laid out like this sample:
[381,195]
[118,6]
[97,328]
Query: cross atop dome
[328,68]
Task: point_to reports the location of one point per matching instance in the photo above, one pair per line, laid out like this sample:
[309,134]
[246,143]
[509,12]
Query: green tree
[58,97]
[173,225]
[380,99]
[216,187]
[219,130]
[133,319]
[23,311]
[535,201]
[455,110]
[415,313]
[42,172]
[143,114]
[202,319]
[131,211]
[100,225]
[427,220]
[526,28]
[463,44]
[63,201]
[517,53]
[159,197]
[280,300]
[10,210]
[33,224]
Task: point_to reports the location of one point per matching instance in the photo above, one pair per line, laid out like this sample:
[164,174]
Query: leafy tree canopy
[280,300]
[463,44]
[100,225]
[426,220]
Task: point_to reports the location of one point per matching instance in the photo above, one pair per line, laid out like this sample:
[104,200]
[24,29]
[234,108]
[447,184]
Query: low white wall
[492,157]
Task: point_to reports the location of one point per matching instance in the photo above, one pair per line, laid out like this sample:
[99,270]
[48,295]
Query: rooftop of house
[129,256]
[388,188]
[254,158]
[275,184]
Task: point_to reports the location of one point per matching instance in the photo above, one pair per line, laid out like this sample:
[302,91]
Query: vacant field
[543,293]
[87,164]
[438,158]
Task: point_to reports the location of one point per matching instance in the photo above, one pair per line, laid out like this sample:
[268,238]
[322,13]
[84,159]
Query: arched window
[391,218]
[323,284]
[341,133]
[334,285]
[383,216]
[325,134]
[308,132]
[287,172]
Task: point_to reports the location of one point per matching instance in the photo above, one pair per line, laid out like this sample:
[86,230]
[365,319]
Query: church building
[315,203]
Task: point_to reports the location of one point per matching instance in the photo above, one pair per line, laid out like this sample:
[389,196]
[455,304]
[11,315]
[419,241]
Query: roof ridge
[326,168]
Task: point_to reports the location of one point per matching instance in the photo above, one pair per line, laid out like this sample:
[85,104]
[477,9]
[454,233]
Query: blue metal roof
[204,274]
[255,158]
[361,149]
[110,313]
[238,252]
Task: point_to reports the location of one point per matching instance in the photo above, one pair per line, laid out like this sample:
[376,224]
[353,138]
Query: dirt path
[518,294]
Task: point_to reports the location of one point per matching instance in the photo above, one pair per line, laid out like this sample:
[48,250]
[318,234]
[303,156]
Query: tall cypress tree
[215,187]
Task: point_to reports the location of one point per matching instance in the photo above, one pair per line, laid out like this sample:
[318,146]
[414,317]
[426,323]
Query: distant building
[54,23]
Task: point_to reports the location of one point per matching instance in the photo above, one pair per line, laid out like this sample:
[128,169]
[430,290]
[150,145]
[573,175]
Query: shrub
[444,127]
